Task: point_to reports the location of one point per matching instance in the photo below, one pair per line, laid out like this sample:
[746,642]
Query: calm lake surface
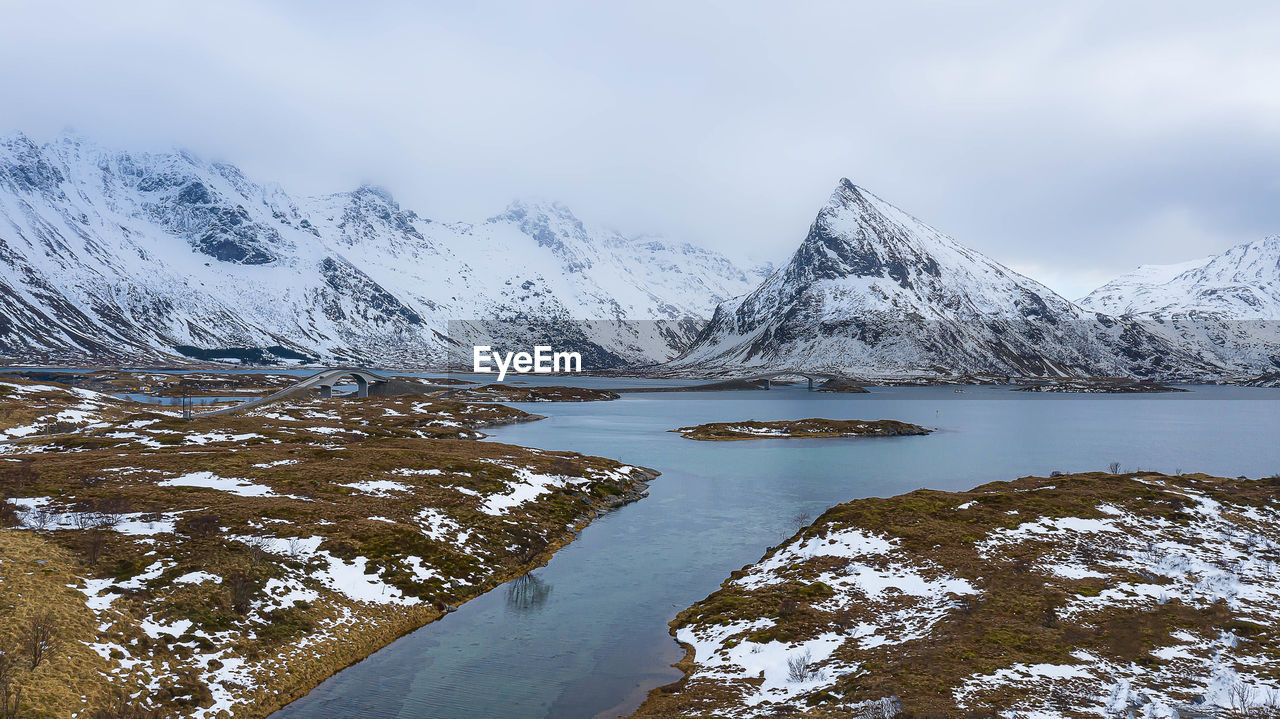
[586,636]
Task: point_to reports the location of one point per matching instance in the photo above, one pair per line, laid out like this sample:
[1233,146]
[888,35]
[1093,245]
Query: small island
[840,384]
[813,427]
[1099,385]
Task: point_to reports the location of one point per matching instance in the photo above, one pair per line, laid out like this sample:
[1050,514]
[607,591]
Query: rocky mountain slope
[875,292]
[1225,308]
[107,256]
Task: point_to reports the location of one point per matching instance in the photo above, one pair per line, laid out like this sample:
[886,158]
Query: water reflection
[527,593]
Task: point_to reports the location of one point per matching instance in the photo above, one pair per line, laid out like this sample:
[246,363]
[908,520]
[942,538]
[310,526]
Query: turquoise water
[586,635]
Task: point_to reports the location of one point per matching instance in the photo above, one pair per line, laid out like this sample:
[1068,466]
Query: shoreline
[341,628]
[410,626]
[1070,572]
[714,377]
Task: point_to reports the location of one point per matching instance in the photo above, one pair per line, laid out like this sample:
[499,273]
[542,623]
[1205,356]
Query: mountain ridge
[1225,307]
[113,256]
[108,256]
[873,291]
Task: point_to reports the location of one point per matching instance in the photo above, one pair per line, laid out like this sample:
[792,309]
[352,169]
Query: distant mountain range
[1225,309]
[875,293]
[107,256]
[112,257]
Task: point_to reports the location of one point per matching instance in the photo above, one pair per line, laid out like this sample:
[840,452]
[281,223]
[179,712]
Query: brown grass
[1014,620]
[304,452]
[811,428]
[34,578]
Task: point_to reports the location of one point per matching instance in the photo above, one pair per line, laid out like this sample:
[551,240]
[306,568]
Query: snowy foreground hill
[109,256]
[875,292]
[1226,308]
[1126,595]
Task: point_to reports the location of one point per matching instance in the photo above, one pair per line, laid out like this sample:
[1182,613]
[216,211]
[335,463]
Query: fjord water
[586,636]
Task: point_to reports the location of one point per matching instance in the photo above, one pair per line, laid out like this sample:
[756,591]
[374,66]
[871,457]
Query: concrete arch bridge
[324,381]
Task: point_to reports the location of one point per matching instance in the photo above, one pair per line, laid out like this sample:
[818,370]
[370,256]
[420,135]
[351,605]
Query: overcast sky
[1071,143]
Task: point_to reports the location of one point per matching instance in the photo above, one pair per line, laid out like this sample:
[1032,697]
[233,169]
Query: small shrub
[8,516]
[801,520]
[85,517]
[256,548]
[10,694]
[243,590]
[93,544]
[800,667]
[113,509]
[41,637]
[41,518]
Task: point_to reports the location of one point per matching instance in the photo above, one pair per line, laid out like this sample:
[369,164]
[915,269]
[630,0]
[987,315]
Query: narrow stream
[586,636]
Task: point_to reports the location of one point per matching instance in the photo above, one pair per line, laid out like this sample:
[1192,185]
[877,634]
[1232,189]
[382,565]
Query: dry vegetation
[1072,596]
[46,664]
[196,568]
[800,428]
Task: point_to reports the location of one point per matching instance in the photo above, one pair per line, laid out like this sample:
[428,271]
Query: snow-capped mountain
[874,292]
[1225,308]
[111,256]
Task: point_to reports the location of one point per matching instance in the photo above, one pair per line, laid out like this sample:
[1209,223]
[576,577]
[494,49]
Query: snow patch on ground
[209,480]
[528,486]
[378,487]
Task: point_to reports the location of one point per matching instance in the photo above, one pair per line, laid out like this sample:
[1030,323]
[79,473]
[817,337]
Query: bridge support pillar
[326,390]
[810,383]
[362,386]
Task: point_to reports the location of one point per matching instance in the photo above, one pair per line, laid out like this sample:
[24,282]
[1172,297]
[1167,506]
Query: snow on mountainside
[874,292]
[1241,283]
[112,256]
[1225,307]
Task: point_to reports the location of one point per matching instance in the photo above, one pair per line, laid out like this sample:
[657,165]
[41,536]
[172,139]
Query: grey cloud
[1082,139]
